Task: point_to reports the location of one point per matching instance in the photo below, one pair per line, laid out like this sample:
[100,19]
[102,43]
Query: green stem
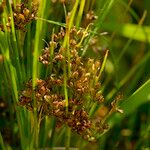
[67,137]
[53,126]
[52,22]
[28,46]
[38,45]
[79,17]
[2,146]
[72,16]
[65,88]
[92,110]
[103,65]
[17,59]
[69,24]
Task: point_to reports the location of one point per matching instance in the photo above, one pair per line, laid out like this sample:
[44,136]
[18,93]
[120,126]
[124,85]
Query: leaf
[139,97]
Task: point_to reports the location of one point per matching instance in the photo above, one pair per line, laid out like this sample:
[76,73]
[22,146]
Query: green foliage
[68,51]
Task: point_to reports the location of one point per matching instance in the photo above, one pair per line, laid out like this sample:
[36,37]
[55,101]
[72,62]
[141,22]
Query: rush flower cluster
[78,76]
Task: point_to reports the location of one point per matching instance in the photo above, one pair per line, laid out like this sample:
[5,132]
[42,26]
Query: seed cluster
[52,103]
[22,15]
[82,85]
[83,72]
[89,17]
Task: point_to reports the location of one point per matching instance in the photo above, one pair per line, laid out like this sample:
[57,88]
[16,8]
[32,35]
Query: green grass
[124,71]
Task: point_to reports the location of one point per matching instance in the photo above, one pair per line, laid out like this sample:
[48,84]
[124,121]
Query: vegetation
[74,74]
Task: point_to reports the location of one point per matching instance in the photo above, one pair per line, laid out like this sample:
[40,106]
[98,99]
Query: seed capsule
[26,12]
[59,57]
[21,17]
[75,74]
[8,24]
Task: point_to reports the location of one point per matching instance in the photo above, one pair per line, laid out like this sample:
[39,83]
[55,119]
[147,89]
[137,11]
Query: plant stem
[2,146]
[53,126]
[82,4]
[67,137]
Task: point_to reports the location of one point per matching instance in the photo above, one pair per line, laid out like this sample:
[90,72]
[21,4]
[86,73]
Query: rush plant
[59,80]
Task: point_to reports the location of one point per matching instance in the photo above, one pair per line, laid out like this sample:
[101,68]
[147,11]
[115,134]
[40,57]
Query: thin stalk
[36,131]
[92,110]
[65,89]
[38,38]
[19,71]
[20,119]
[67,138]
[85,33]
[36,54]
[28,49]
[52,22]
[103,65]
[20,37]
[44,134]
[79,16]
[51,48]
[69,23]
[65,11]
[66,45]
[53,127]
[61,133]
[35,70]
[94,106]
[87,6]
[2,146]
[14,3]
[92,4]
[72,16]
